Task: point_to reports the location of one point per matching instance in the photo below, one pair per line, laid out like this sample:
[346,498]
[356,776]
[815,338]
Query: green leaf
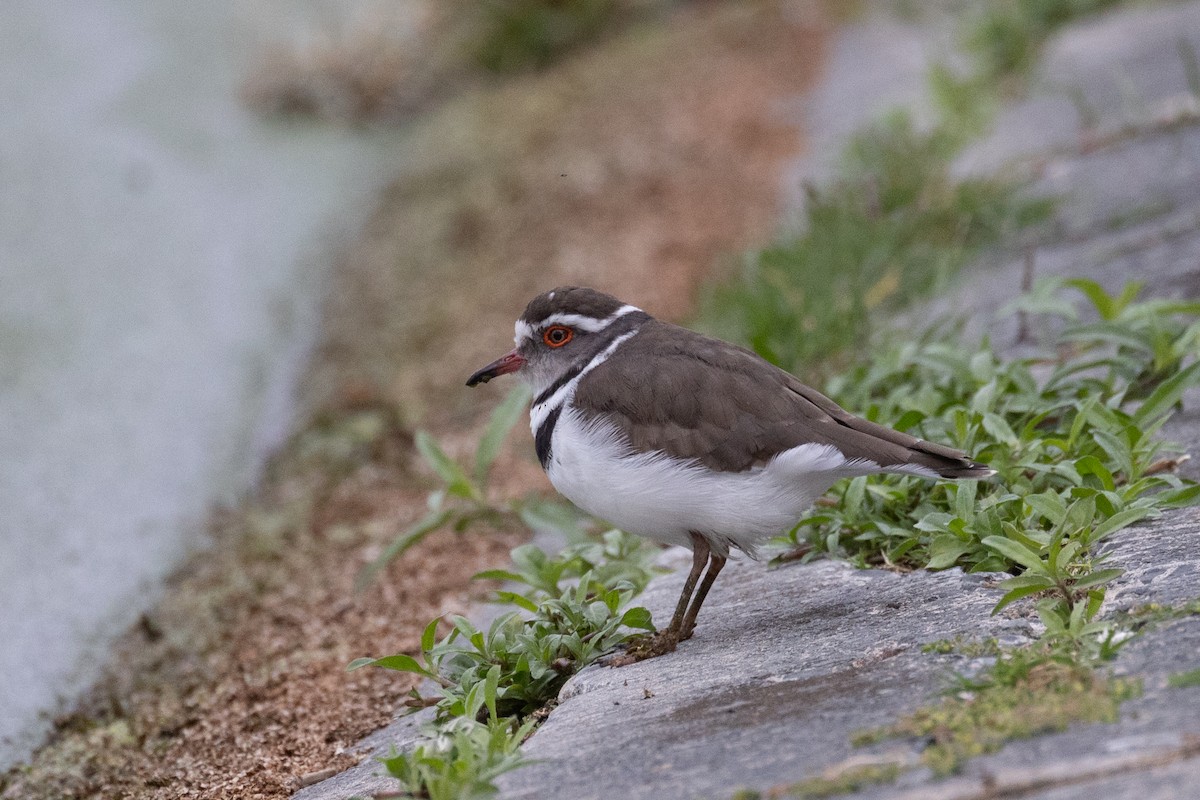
[1097,577]
[464,626]
[1090,465]
[503,419]
[945,550]
[398,662]
[1014,551]
[498,575]
[457,482]
[428,524]
[1013,595]
[1107,333]
[1163,399]
[1049,504]
[964,499]
[1107,306]
[474,700]
[517,600]
[1179,498]
[999,430]
[637,617]
[429,635]
[908,419]
[934,522]
[491,684]
[1120,520]
[1077,618]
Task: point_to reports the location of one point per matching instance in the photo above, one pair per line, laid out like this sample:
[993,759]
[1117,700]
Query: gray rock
[785,666]
[368,777]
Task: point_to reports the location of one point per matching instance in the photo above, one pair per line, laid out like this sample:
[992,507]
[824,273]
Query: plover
[685,439]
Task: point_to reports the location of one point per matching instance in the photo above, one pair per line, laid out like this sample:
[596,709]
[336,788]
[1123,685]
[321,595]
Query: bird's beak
[501,366]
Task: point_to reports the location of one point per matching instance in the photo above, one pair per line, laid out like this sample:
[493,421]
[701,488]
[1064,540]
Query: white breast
[663,498]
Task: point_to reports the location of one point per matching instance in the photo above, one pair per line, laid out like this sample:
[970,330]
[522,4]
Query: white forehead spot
[523,330]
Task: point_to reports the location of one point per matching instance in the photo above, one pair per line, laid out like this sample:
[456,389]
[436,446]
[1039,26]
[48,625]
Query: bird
[685,439]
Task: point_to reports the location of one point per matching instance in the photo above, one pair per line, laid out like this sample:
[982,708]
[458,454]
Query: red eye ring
[557,335]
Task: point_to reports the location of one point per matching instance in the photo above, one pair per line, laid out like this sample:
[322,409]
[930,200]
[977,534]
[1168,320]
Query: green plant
[574,611]
[491,686]
[1007,36]
[613,558]
[893,226]
[1072,433]
[522,34]
[463,500]
[460,760]
[847,780]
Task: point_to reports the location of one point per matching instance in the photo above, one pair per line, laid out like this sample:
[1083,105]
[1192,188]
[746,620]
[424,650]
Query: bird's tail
[946,462]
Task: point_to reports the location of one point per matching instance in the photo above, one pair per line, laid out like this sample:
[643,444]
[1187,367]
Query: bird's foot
[640,648]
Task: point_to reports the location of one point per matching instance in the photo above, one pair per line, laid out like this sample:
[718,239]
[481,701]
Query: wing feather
[694,397]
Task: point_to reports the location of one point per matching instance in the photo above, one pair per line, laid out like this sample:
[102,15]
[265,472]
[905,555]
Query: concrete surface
[788,663]
[161,259]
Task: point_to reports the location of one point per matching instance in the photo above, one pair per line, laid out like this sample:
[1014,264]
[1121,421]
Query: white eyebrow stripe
[589,324]
[523,330]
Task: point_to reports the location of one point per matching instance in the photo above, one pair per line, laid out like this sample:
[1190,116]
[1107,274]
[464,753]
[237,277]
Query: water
[162,256]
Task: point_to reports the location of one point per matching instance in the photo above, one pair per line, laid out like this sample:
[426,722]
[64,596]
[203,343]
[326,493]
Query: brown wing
[694,397]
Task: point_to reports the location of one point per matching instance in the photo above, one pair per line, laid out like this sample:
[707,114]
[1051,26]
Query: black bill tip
[501,366]
[483,376]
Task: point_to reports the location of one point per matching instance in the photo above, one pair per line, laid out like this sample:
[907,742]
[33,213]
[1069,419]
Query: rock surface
[788,663]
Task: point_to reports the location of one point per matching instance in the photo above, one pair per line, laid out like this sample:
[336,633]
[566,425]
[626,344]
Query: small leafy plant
[463,500]
[490,686]
[1007,36]
[460,760]
[524,34]
[894,226]
[1073,434]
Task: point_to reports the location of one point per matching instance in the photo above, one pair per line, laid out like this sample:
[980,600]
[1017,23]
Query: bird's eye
[557,335]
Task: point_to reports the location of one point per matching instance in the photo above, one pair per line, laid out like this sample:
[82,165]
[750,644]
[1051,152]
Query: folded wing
[694,397]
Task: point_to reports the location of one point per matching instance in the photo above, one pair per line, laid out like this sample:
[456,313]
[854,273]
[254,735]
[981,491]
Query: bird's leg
[715,564]
[665,640]
[700,553]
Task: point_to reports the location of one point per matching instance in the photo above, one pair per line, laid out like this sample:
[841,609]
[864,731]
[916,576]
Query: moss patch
[1027,693]
[1183,680]
[1151,615]
[845,781]
[964,647]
